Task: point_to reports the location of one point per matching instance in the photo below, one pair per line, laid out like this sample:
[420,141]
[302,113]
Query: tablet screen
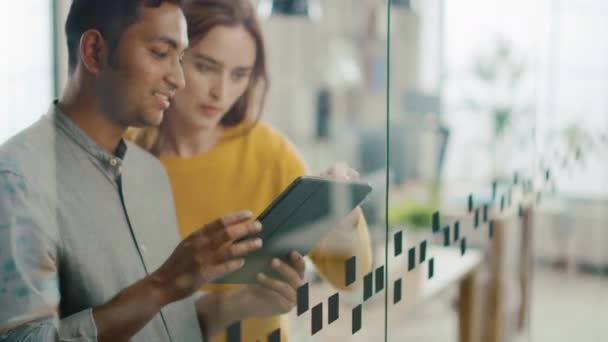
[299,218]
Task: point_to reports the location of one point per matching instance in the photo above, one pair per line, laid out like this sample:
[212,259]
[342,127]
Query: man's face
[139,88]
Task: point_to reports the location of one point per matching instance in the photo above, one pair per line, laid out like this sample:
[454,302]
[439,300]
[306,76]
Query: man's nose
[176,76]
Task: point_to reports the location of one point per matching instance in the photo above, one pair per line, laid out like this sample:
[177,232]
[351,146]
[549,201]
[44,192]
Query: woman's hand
[340,171]
[271,296]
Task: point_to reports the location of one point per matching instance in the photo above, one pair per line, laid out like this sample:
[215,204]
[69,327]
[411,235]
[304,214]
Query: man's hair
[110,17]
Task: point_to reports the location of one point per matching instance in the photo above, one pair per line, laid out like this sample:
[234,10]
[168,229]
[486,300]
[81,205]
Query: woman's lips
[210,111]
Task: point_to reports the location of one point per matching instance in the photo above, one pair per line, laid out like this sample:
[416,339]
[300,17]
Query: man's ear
[93,51]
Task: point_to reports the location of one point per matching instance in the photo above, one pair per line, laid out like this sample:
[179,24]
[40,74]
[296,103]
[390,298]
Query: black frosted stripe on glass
[411,259]
[302,295]
[367,285]
[317,319]
[333,308]
[379,279]
[398,243]
[275,336]
[233,333]
[350,270]
[422,252]
[520,210]
[485,213]
[397,291]
[357,319]
[436,222]
[463,246]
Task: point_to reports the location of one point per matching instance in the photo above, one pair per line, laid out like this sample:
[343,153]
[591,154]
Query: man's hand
[206,254]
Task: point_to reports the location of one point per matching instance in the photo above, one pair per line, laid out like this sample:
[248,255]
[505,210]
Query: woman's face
[217,71]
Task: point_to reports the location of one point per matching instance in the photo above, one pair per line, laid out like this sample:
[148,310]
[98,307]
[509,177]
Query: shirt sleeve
[79,327]
[39,331]
[29,281]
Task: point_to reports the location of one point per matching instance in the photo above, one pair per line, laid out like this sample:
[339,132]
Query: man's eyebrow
[167,40]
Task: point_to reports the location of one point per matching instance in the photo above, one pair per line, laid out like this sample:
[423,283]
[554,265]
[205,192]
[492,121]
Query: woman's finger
[280,287]
[297,262]
[353,174]
[287,272]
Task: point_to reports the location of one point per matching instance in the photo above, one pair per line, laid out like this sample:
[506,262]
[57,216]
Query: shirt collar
[77,135]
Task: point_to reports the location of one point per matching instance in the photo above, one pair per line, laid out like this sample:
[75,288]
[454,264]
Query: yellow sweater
[247,170]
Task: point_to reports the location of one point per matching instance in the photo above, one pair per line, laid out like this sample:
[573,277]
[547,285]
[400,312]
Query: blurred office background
[502,100]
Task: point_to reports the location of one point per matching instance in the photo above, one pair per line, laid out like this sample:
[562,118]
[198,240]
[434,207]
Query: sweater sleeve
[344,242]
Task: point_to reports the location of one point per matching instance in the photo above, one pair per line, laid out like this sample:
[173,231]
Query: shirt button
[143,248]
[113,162]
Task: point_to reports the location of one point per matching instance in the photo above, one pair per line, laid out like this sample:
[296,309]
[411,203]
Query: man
[87,227]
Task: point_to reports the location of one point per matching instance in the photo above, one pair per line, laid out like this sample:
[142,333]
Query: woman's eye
[239,76]
[204,67]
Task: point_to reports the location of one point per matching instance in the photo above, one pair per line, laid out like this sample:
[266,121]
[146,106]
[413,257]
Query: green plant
[499,75]
[575,144]
[411,213]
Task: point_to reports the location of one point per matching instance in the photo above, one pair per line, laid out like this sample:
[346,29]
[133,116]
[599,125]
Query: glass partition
[570,219]
[480,127]
[462,142]
[328,95]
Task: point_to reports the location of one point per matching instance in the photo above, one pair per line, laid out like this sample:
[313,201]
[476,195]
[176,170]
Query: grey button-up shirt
[78,225]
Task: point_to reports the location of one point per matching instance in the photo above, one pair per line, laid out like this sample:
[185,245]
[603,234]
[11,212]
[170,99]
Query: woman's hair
[202,16]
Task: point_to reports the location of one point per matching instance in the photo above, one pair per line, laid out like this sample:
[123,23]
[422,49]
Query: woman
[220,157]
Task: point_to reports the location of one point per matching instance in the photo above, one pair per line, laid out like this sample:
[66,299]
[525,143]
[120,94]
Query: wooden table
[450,270]
[519,217]
[481,310]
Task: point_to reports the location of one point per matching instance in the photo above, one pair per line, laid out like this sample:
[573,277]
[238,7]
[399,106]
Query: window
[26,70]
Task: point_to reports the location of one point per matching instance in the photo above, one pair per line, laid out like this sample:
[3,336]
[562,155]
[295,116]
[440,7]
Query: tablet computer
[297,220]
